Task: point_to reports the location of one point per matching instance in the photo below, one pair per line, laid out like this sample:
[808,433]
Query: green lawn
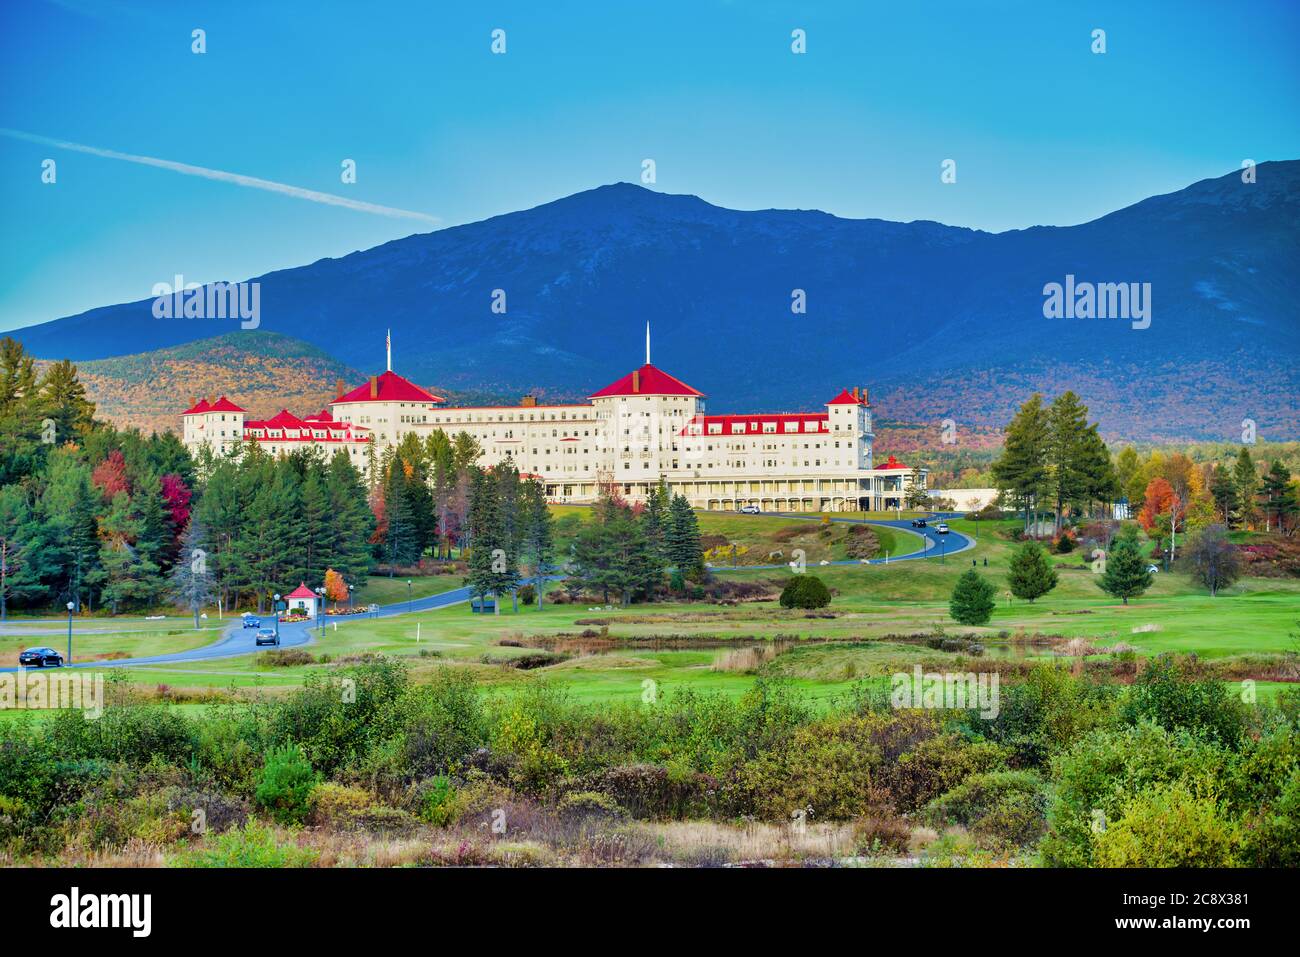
[871,603]
[105,637]
[382,590]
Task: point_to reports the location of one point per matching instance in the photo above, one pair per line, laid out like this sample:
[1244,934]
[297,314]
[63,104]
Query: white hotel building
[645,427]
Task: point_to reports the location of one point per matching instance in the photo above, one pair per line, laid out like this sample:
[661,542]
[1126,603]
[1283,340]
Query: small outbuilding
[302,601]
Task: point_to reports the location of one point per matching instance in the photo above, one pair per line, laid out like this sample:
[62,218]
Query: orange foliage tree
[336,590]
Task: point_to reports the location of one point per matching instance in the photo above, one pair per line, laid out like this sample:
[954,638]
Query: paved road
[238,640]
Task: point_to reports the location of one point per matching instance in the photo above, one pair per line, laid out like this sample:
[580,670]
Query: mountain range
[938,321]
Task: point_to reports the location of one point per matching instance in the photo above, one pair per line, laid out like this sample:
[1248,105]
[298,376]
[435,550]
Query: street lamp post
[350,588]
[320,607]
[408,596]
[275,610]
[71,605]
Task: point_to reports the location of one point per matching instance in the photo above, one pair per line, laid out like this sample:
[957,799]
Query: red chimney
[636,381]
[374,387]
[338,388]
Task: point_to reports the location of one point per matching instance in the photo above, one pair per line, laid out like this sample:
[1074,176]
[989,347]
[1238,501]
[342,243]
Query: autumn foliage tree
[336,590]
[1163,509]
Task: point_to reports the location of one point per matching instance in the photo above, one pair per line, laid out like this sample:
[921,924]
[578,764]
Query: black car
[40,658]
[918,523]
[251,622]
[267,636]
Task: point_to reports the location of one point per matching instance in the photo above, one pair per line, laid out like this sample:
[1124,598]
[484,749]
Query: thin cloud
[311,195]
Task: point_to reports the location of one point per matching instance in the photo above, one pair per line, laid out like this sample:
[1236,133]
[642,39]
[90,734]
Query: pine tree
[316,524]
[351,518]
[1126,575]
[1067,422]
[1274,492]
[491,571]
[23,562]
[972,600]
[682,538]
[1021,470]
[1224,492]
[654,520]
[538,535]
[64,400]
[192,581]
[1246,479]
[1030,575]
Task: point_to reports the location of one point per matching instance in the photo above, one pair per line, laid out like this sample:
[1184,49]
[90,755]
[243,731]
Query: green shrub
[581,805]
[253,845]
[1095,780]
[436,799]
[338,718]
[1168,693]
[1168,826]
[1005,808]
[287,781]
[336,804]
[527,594]
[805,591]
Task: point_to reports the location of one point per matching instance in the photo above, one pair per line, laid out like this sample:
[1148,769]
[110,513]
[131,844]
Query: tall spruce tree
[682,538]
[538,534]
[1246,478]
[1021,471]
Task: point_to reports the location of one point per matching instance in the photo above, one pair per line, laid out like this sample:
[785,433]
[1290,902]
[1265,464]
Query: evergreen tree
[154,539]
[1275,495]
[401,542]
[21,447]
[192,580]
[1246,479]
[1030,575]
[316,523]
[654,520]
[682,538]
[353,522]
[64,400]
[1224,492]
[1126,575]
[972,600]
[23,562]
[1099,482]
[1067,424]
[1020,472]
[538,534]
[491,571]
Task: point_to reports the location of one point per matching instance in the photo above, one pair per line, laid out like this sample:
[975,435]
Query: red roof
[392,388]
[302,591]
[221,405]
[848,398]
[892,463]
[294,429]
[650,381]
[753,424]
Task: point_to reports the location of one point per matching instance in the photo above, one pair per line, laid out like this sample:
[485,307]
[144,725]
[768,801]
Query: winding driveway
[238,641]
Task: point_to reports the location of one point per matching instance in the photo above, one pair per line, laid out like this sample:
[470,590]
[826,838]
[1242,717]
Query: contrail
[329,199]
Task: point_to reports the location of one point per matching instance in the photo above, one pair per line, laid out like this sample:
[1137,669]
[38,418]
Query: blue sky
[1042,129]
